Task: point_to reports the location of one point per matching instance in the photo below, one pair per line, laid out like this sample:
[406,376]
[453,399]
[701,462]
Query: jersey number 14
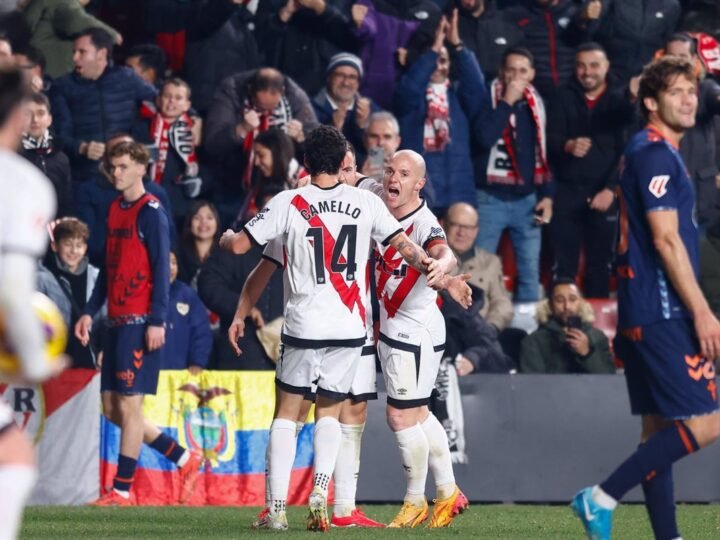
[329,252]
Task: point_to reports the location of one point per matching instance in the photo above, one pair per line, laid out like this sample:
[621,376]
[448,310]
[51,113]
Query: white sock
[267,472]
[414,451]
[183,459]
[298,428]
[282,457]
[326,445]
[440,461]
[602,499]
[347,468]
[16,483]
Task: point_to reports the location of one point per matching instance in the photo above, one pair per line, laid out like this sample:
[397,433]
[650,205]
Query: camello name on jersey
[337,207]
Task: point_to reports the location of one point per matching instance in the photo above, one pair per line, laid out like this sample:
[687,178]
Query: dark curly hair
[325,149]
[659,75]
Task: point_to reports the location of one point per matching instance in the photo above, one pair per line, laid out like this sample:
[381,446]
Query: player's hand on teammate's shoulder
[707,328]
[235,332]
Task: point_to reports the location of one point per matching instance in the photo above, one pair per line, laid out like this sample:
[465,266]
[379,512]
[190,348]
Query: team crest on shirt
[182,308]
[436,233]
[658,185]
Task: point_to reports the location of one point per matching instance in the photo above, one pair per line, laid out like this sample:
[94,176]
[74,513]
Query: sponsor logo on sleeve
[658,185]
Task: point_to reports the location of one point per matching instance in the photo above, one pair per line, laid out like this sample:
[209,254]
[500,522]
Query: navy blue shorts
[665,372]
[127,367]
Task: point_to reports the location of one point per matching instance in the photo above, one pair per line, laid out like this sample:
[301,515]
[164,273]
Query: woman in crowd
[274,160]
[199,237]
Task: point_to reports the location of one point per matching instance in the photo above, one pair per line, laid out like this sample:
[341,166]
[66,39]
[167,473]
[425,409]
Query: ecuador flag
[226,415]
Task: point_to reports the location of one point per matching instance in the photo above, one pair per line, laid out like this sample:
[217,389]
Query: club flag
[61,417]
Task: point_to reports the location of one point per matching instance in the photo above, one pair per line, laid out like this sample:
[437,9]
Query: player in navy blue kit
[668,337]
[135,281]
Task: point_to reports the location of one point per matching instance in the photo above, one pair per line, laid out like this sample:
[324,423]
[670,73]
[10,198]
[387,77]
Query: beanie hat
[345,59]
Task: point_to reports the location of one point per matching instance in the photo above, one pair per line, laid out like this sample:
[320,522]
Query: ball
[54,330]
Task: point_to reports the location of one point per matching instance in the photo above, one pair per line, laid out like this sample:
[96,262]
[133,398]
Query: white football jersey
[373,186]
[327,235]
[27,205]
[407,305]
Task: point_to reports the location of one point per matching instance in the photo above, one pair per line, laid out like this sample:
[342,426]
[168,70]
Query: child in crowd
[189,338]
[67,277]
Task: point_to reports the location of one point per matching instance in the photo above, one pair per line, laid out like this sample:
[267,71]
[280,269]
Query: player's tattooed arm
[413,254]
[416,257]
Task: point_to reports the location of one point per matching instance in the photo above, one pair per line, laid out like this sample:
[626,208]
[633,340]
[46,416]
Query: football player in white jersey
[354,411]
[27,205]
[411,343]
[326,228]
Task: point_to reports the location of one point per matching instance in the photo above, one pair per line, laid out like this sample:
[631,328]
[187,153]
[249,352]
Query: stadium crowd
[521,110]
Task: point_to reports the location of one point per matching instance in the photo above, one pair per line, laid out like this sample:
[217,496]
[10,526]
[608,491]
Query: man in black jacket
[552,30]
[40,148]
[585,141]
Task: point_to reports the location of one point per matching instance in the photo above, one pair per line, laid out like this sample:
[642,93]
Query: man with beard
[585,140]
[667,334]
[485,31]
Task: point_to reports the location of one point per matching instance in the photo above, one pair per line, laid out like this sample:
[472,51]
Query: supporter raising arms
[431,101]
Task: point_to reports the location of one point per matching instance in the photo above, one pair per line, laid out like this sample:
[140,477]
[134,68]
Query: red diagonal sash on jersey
[350,296]
[388,265]
[392,304]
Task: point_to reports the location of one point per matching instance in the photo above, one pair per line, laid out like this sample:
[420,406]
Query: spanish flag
[226,415]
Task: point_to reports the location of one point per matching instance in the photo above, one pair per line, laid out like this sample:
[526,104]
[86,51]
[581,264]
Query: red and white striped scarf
[278,118]
[165,135]
[436,133]
[502,166]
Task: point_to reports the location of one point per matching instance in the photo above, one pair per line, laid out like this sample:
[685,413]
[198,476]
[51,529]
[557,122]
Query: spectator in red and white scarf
[514,183]
[174,136]
[432,111]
